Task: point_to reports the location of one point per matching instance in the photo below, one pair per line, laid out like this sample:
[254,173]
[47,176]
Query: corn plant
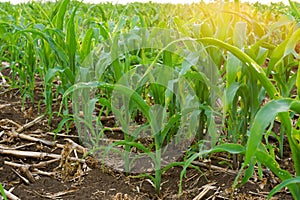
[257,152]
[162,93]
[254,68]
[280,107]
[242,57]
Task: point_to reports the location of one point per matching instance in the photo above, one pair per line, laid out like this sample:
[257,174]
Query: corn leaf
[284,184]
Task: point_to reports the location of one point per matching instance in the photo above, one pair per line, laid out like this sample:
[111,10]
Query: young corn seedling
[164,96]
[256,150]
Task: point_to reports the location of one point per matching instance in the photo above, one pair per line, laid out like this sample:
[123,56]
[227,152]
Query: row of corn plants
[212,76]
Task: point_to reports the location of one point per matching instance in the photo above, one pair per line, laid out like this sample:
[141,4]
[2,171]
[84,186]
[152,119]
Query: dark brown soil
[91,180]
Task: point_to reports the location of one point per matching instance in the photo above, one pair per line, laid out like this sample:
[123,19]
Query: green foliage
[284,183]
[238,62]
[2,192]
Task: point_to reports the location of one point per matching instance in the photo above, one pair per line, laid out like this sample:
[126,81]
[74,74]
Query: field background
[145,1]
[150,101]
